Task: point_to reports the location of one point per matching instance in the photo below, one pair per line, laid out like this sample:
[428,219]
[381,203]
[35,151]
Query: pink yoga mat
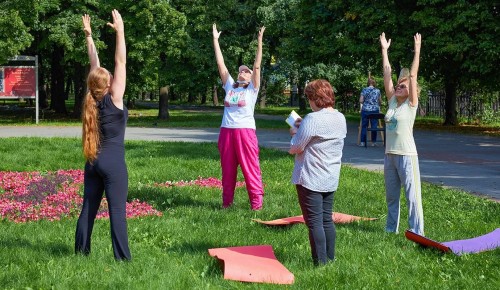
[338,218]
[252,264]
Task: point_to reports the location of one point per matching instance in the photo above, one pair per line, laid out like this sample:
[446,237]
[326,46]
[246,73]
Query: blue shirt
[371,96]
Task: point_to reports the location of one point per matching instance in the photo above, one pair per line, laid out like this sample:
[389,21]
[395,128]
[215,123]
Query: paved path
[468,162]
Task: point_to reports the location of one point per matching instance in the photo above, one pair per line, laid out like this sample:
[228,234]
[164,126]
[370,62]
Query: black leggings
[108,174]
[317,210]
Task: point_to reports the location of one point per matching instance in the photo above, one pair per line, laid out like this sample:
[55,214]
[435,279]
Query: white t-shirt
[399,128]
[239,105]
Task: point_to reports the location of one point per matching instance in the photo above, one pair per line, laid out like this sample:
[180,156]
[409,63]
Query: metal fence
[433,105]
[467,105]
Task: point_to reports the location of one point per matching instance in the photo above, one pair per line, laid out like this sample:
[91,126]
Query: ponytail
[97,85]
[90,131]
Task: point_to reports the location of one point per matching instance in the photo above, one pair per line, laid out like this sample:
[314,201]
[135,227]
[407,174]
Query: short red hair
[321,93]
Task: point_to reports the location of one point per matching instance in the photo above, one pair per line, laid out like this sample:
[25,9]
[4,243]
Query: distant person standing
[401,160]
[238,144]
[104,120]
[317,143]
[370,100]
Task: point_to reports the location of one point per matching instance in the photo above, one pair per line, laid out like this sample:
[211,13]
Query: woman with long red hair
[104,120]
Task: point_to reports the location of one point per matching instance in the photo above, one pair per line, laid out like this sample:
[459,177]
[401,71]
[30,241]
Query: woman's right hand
[117,24]
[383,42]
[215,33]
[86,25]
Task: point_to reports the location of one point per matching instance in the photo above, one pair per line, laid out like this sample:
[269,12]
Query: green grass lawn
[170,252]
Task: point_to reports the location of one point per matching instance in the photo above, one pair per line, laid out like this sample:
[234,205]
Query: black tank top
[112,122]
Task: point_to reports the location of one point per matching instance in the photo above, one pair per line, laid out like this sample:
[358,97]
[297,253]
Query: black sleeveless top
[112,123]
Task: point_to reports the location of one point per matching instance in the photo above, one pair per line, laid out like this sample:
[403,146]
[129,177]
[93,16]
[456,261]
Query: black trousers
[317,210]
[108,174]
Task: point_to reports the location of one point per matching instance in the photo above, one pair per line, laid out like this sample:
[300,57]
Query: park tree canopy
[169,43]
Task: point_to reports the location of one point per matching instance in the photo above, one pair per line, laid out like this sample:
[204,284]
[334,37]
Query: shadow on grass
[180,150]
[165,198]
[55,249]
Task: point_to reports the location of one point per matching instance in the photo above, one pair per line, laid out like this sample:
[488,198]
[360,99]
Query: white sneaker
[361,144]
[374,145]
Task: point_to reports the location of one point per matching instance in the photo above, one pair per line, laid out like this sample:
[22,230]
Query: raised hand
[418,41]
[261,33]
[117,24]
[383,42]
[215,33]
[86,25]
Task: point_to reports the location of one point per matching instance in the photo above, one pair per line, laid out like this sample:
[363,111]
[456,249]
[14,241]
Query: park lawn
[170,252]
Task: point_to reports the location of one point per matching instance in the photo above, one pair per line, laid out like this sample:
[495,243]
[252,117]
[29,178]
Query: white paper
[292,118]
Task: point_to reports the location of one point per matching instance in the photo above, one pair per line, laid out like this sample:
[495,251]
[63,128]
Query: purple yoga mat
[475,245]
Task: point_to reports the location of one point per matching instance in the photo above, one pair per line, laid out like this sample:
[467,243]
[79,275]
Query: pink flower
[32,196]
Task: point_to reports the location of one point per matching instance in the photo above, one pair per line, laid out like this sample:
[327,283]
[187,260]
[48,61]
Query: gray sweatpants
[403,170]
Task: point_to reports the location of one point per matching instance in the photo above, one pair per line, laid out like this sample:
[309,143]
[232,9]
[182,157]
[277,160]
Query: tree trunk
[80,88]
[215,96]
[67,88]
[130,103]
[191,97]
[450,103]
[302,98]
[163,104]
[57,81]
[204,97]
[263,93]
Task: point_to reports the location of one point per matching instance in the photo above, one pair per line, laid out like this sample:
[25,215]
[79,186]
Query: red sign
[17,82]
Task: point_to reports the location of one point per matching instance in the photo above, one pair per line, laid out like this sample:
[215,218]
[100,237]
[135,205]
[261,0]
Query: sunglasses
[400,86]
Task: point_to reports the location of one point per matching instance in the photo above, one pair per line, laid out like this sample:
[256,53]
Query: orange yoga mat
[338,218]
[252,264]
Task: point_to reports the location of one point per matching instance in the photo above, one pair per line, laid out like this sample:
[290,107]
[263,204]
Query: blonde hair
[404,76]
[97,86]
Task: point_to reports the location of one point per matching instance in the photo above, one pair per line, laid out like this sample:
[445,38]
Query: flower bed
[32,196]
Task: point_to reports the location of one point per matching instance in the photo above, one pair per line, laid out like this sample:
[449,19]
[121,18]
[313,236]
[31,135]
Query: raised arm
[388,85]
[120,76]
[413,89]
[258,59]
[91,49]
[224,74]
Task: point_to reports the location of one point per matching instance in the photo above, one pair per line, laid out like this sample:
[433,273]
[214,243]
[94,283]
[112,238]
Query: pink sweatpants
[240,147]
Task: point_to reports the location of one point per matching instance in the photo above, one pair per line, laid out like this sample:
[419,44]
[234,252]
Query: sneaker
[361,144]
[374,145]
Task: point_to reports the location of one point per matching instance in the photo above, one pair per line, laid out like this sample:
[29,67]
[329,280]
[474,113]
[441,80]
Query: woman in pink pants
[238,143]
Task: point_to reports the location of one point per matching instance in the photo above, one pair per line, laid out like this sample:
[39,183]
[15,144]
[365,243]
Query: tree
[11,21]
[461,47]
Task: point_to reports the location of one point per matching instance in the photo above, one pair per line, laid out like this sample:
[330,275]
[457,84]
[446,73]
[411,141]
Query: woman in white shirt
[401,159]
[238,144]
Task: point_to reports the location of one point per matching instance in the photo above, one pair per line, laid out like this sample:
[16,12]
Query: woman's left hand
[86,25]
